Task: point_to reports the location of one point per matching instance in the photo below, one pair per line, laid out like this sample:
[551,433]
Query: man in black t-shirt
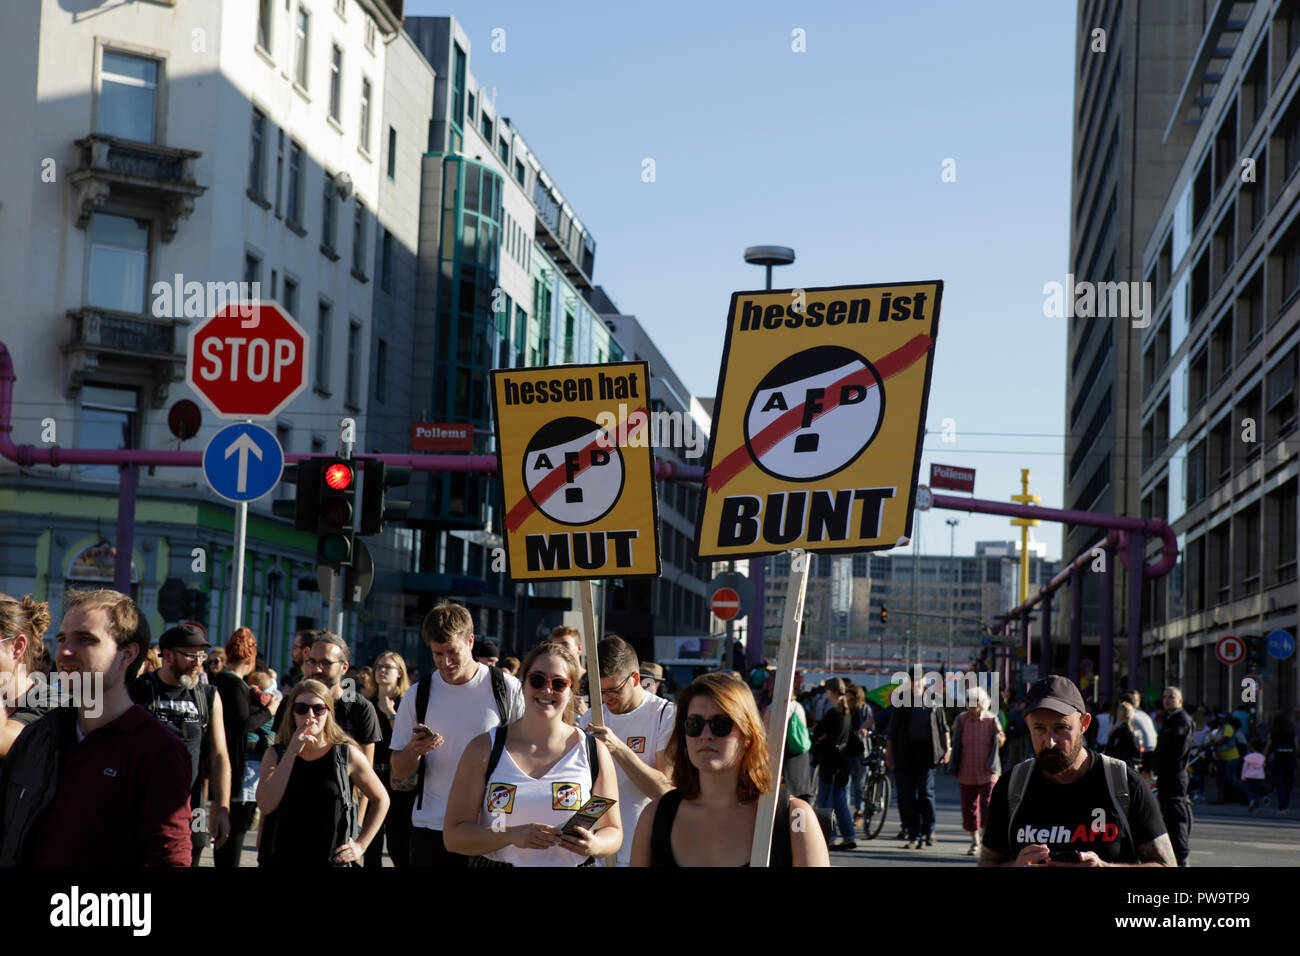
[1068,803]
[172,694]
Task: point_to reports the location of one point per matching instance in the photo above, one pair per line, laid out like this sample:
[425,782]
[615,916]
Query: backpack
[797,739]
[422,692]
[1116,773]
[339,754]
[499,747]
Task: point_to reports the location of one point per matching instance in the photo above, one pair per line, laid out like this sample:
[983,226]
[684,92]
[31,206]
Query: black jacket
[900,732]
[1174,743]
[28,786]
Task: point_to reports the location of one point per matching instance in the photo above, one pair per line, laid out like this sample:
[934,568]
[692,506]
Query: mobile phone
[587,814]
[1063,855]
[419,730]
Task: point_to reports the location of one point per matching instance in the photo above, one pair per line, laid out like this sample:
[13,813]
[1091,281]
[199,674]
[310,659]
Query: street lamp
[766,256]
[952,555]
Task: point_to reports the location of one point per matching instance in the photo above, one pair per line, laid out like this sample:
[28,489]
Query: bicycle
[876,791]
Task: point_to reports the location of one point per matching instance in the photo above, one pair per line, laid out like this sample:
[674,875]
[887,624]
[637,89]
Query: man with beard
[1070,806]
[175,696]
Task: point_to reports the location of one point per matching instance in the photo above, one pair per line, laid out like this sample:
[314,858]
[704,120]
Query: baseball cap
[649,669]
[1055,693]
[182,635]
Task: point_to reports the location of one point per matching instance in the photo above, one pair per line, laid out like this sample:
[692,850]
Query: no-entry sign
[1230,650]
[820,417]
[250,360]
[577,471]
[725,603]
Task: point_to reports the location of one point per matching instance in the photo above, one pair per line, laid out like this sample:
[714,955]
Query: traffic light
[304,508]
[376,509]
[337,491]
[196,604]
[884,615]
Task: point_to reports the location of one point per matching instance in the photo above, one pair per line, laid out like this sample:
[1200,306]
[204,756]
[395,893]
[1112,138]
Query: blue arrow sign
[986,641]
[243,462]
[1281,645]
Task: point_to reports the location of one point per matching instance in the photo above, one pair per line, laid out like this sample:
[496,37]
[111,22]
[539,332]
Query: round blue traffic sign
[243,462]
[986,641]
[1281,645]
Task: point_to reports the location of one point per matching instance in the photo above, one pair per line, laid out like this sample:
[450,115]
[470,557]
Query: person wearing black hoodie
[830,740]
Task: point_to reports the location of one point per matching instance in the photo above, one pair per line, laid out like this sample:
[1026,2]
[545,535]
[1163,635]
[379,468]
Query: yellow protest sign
[577,471]
[819,421]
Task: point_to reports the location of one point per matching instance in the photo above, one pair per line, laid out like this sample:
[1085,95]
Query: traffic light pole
[346,433]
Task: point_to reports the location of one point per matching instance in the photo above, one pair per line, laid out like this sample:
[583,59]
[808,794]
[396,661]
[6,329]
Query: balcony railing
[112,168]
[126,340]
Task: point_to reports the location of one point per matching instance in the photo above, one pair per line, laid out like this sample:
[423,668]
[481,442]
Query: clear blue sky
[837,152]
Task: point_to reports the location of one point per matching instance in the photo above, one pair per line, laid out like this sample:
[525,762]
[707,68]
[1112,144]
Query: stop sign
[725,603]
[248,366]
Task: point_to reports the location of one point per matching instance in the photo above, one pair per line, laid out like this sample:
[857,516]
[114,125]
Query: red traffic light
[338,476]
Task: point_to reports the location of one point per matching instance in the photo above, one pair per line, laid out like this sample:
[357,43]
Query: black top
[661,832]
[357,717]
[242,716]
[1062,815]
[310,822]
[1174,743]
[1123,744]
[178,708]
[918,734]
[383,749]
[829,738]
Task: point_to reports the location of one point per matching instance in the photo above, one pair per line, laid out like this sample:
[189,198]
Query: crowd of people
[189,748]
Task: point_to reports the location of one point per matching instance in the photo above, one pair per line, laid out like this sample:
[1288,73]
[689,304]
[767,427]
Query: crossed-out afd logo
[566,796]
[636,745]
[501,797]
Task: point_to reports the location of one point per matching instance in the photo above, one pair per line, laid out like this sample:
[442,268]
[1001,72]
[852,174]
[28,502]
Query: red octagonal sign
[249,360]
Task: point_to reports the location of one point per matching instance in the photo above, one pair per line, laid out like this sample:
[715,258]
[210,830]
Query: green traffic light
[334,548]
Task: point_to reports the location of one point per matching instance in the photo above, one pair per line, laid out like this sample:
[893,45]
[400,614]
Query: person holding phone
[720,768]
[305,793]
[517,786]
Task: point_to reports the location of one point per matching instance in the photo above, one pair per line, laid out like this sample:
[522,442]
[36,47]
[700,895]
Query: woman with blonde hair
[22,653]
[517,785]
[305,793]
[720,767]
[1122,742]
[391,685]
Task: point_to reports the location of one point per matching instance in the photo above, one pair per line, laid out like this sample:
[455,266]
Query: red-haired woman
[718,753]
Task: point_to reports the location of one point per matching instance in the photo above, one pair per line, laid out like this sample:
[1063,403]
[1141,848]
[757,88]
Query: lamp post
[766,256]
[952,555]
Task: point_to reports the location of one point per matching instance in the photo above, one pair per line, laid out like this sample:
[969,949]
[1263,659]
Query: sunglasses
[721,725]
[302,710]
[558,685]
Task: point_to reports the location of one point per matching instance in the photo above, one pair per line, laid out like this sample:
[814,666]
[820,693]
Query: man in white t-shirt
[463,703]
[637,728]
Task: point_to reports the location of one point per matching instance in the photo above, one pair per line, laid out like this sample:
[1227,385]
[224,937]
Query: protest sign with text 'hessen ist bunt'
[577,471]
[820,418]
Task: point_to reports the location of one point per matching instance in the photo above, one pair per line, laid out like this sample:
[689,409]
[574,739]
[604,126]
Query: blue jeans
[914,779]
[857,782]
[836,798]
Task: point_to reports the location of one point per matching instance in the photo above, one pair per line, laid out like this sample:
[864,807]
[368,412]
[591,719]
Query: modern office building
[152,146]
[1133,59]
[1220,453]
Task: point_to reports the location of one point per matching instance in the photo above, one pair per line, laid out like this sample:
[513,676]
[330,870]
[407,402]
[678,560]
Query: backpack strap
[342,754]
[500,692]
[498,748]
[593,761]
[422,690]
[1117,784]
[1020,775]
[204,704]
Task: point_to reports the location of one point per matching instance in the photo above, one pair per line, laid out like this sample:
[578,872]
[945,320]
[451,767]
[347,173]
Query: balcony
[105,340]
[117,169]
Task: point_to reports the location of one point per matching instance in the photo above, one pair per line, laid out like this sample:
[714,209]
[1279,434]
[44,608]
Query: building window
[503,150]
[119,263]
[279,169]
[486,128]
[392,152]
[264,24]
[128,96]
[381,370]
[290,296]
[386,262]
[370,35]
[328,218]
[257,153]
[252,268]
[359,238]
[336,83]
[275,283]
[108,420]
[520,172]
[365,114]
[1281,409]
[353,393]
[470,111]
[323,346]
[293,212]
[303,33]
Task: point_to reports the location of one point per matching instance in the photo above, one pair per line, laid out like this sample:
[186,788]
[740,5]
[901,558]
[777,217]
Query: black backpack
[422,691]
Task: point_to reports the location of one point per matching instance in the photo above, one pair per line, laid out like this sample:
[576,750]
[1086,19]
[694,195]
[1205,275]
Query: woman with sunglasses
[391,685]
[718,755]
[510,813]
[305,791]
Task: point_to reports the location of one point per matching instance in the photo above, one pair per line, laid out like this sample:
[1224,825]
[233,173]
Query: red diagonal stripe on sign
[553,482]
[896,361]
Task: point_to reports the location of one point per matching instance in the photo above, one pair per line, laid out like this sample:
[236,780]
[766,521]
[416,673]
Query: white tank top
[514,798]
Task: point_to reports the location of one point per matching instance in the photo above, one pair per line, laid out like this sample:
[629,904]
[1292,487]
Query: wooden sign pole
[778,714]
[589,638]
